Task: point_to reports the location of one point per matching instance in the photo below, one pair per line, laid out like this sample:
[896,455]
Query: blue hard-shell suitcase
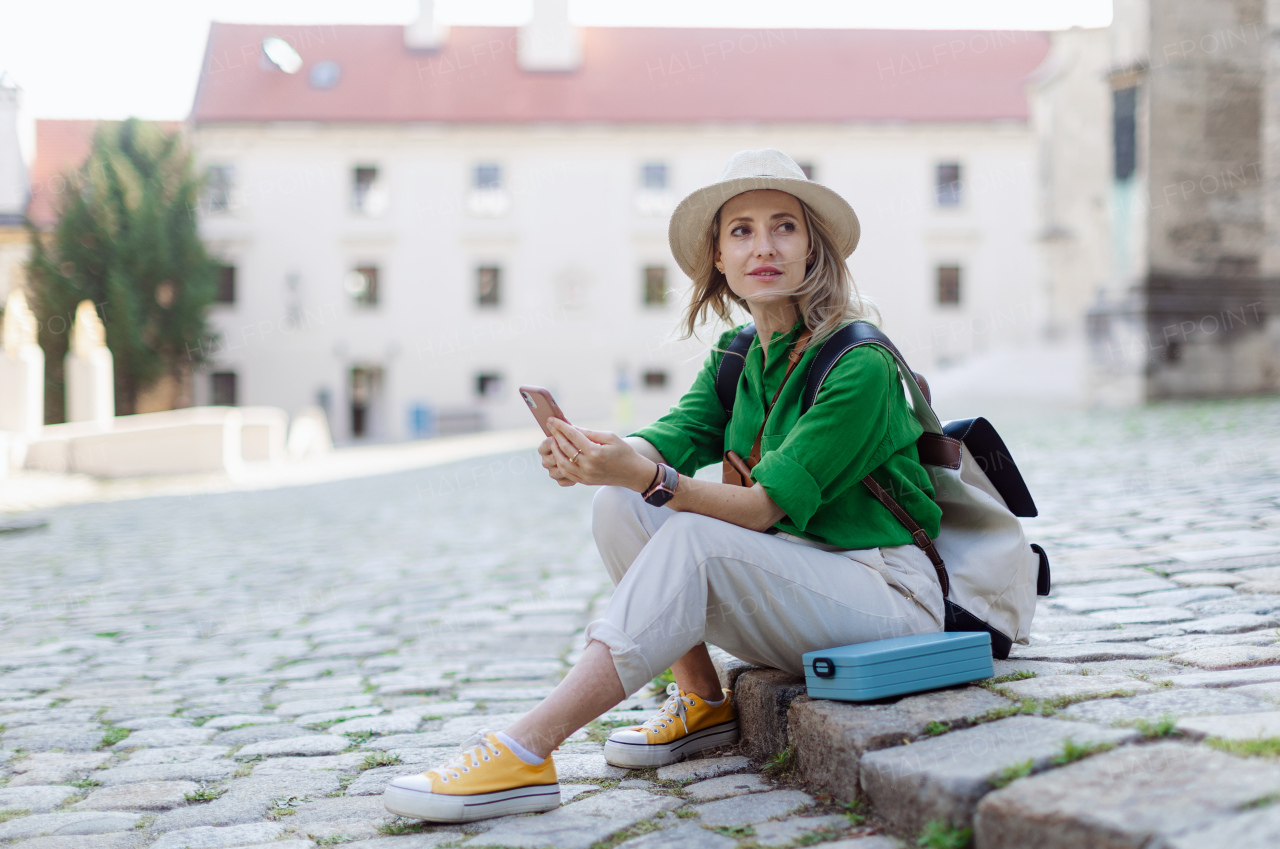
[894,667]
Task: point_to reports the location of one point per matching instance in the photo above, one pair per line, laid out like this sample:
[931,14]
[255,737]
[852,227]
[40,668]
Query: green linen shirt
[811,465]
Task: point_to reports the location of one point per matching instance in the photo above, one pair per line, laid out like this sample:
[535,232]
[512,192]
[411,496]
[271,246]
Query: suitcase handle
[823,667]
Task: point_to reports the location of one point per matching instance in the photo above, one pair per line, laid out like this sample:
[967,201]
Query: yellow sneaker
[486,780]
[685,725]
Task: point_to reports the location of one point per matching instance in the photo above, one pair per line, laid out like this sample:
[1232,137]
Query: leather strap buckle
[921,538]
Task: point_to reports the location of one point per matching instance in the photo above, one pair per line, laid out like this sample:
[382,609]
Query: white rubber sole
[436,807]
[644,755]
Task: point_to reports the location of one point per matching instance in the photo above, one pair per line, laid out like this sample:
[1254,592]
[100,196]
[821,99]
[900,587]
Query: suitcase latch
[823,667]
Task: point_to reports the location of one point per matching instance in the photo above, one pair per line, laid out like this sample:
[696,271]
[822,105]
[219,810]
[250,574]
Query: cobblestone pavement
[251,668]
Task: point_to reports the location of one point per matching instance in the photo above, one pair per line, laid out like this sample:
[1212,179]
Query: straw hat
[747,171]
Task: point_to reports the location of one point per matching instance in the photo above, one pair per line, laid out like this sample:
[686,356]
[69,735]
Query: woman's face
[763,246]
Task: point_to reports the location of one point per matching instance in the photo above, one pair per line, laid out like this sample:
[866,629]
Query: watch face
[659,498]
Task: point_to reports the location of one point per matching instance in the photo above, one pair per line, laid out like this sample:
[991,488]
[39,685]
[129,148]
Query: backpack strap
[731,365]
[936,445]
[844,340]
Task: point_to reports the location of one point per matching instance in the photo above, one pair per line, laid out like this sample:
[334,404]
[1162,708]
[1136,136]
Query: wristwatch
[663,487]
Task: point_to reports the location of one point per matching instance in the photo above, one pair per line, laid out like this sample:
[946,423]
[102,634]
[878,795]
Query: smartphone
[542,405]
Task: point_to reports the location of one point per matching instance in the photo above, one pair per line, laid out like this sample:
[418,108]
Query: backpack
[990,574]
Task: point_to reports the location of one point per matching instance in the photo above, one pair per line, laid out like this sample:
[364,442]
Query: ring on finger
[574,458]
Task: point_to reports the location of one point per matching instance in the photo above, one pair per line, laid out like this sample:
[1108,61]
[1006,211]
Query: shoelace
[675,707]
[476,754]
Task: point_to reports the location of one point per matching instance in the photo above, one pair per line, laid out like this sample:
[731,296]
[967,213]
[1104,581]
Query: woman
[800,558]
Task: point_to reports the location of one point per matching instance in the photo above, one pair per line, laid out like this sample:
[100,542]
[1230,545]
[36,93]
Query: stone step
[945,777]
[1169,795]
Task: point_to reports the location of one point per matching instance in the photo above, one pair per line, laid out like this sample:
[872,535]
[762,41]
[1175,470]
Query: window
[226,292]
[362,285]
[807,168]
[655,286]
[488,176]
[948,284]
[366,387]
[488,384]
[488,285]
[368,195]
[653,176]
[1124,131]
[948,184]
[219,181]
[655,380]
[224,388]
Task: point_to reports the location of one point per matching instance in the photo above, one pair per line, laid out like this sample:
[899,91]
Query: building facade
[1185,281]
[414,225]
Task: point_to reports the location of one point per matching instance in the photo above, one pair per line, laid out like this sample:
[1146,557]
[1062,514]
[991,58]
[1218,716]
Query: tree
[127,240]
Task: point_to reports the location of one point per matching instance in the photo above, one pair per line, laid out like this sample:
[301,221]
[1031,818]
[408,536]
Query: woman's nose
[764,245]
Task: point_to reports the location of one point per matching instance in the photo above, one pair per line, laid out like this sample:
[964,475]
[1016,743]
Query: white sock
[717,702]
[519,751]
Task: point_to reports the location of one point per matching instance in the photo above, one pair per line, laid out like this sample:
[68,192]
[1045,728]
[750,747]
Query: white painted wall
[572,245]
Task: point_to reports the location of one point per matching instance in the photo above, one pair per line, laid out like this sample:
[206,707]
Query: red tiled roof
[61,148]
[627,75]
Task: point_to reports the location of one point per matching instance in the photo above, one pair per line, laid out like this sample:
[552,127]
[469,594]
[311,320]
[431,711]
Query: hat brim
[691,221]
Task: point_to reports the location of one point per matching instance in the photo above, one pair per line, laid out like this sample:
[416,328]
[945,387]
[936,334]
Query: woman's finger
[566,466]
[575,437]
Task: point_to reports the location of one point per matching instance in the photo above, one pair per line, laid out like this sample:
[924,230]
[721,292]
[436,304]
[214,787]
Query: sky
[114,58]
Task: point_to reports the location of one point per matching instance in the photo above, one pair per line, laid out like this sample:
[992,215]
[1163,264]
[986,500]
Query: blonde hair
[827,298]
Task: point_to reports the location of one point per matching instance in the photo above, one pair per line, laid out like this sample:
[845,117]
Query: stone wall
[1207,296]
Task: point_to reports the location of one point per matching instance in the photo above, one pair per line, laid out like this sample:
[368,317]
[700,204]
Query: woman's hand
[595,457]
[547,453]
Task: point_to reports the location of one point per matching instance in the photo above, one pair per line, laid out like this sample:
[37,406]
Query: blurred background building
[414,220]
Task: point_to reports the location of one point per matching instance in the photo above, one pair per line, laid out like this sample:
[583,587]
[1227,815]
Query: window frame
[482,298]
[953,290]
[217,391]
[646,289]
[948,194]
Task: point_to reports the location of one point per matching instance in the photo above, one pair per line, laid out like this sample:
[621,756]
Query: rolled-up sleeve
[691,434]
[840,439]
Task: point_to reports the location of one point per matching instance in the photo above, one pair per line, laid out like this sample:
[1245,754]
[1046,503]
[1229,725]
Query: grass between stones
[1261,802]
[642,827]
[13,813]
[934,728]
[938,835]
[1041,707]
[286,806]
[780,764]
[204,793]
[1267,747]
[1073,751]
[735,831]
[114,734]
[1153,729]
[857,812]
[85,783]
[377,759]
[1010,774]
[598,730]
[336,841]
[402,826]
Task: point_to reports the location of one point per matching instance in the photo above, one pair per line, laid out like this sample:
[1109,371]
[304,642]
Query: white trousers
[683,578]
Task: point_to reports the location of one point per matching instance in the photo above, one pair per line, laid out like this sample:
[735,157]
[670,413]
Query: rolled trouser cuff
[630,663]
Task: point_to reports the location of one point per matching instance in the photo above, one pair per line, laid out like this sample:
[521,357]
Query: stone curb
[881,752]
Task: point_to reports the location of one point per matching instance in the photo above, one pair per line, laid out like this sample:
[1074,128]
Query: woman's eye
[788,226]
[740,230]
